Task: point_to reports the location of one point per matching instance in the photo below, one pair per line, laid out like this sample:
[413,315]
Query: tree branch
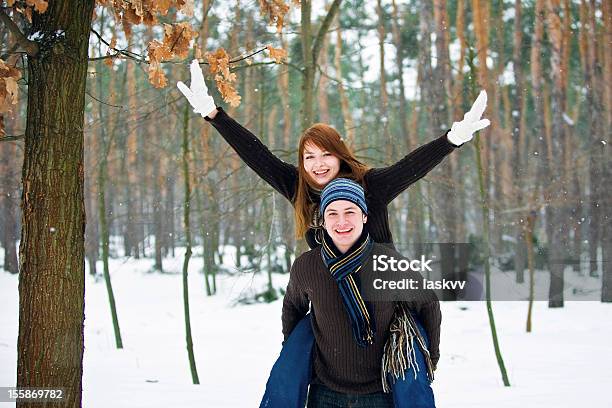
[141,58]
[102,102]
[126,53]
[31,47]
[339,82]
[331,14]
[9,138]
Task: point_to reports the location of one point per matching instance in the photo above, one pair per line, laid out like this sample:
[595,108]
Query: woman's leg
[411,392]
[288,382]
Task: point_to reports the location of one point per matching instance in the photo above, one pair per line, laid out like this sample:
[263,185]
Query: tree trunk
[384,98]
[481,27]
[323,85]
[310,54]
[518,172]
[399,62]
[8,203]
[558,181]
[52,278]
[606,244]
[131,187]
[285,208]
[344,100]
[186,225]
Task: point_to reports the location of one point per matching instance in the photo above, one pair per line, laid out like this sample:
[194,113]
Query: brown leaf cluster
[276,11]
[277,54]
[40,6]
[8,86]
[219,65]
[8,90]
[135,12]
[176,43]
[157,77]
[178,37]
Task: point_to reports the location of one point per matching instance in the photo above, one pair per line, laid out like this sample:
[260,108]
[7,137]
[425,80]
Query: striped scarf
[399,353]
[344,269]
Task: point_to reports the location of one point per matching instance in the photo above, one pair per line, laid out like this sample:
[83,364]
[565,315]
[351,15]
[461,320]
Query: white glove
[463,131]
[197,95]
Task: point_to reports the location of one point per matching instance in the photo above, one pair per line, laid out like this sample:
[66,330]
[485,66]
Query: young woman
[323,156]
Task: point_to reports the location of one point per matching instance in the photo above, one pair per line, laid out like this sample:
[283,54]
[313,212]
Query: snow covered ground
[564,362]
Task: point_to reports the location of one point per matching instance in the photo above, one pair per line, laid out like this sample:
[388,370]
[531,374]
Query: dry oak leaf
[157,77]
[278,54]
[177,38]
[228,92]
[218,62]
[39,5]
[161,6]
[8,86]
[158,51]
[186,7]
[276,10]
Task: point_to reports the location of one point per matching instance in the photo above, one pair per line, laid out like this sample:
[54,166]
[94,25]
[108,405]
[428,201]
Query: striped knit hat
[343,189]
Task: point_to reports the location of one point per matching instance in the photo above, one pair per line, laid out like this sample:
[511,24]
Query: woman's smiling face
[320,165]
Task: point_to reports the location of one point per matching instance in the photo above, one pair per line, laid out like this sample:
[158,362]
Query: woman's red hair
[325,138]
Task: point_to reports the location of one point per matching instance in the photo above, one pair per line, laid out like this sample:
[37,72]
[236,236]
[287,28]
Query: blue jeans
[320,396]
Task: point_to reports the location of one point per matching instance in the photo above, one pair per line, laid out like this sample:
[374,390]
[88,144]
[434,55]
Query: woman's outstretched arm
[280,175]
[386,183]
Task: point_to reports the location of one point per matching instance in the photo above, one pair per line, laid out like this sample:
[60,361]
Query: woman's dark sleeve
[295,303]
[386,183]
[280,175]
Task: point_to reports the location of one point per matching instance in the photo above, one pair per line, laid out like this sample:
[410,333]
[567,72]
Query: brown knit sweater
[339,363]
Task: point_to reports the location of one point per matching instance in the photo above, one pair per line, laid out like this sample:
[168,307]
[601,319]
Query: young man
[349,332]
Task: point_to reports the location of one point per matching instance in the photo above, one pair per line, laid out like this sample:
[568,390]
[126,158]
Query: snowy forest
[139,255]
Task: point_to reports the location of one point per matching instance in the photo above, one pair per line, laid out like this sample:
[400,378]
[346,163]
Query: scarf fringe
[399,353]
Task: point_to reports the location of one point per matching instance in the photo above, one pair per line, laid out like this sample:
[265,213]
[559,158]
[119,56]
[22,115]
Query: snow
[509,15]
[507,76]
[35,36]
[563,362]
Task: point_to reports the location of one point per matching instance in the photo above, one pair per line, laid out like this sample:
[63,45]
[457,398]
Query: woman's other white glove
[197,94]
[463,131]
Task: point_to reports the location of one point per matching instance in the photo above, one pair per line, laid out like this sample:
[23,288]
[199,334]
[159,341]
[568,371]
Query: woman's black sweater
[382,184]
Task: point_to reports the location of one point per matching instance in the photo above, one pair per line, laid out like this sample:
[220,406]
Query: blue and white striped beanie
[343,189]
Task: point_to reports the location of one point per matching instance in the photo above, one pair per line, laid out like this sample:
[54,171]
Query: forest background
[152,176]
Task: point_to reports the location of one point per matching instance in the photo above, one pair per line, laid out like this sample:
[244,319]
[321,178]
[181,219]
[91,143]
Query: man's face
[344,223]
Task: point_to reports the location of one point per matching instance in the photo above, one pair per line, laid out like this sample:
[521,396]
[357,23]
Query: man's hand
[197,94]
[463,131]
